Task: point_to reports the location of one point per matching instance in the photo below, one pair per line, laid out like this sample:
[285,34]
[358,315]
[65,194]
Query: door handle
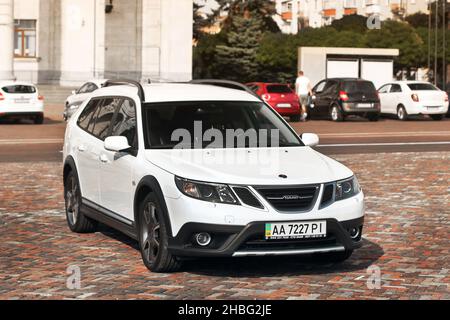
[104,158]
[81,148]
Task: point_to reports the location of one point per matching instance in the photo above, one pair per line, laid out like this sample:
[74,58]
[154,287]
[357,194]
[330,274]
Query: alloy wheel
[150,232]
[334,113]
[73,205]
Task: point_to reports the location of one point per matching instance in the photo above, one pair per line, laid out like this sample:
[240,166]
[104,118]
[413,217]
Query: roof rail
[226,84]
[121,82]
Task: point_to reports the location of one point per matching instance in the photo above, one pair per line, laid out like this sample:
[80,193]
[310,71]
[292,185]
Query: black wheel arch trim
[152,183]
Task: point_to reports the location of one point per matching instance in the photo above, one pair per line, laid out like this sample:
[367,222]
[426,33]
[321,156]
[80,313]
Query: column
[7,39]
[294,21]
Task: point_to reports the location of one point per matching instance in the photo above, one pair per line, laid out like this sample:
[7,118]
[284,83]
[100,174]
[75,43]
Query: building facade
[295,14]
[70,41]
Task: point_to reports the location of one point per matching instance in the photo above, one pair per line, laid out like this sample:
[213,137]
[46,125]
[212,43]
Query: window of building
[25,38]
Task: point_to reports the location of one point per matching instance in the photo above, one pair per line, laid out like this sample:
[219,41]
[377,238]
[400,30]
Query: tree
[418,19]
[200,21]
[237,57]
[398,35]
[263,10]
[353,22]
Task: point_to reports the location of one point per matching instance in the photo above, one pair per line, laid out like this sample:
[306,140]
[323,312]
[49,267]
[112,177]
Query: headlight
[212,192]
[347,188]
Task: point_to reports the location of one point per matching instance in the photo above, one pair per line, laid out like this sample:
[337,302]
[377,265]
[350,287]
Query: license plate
[364,105]
[296,230]
[284,105]
[22,100]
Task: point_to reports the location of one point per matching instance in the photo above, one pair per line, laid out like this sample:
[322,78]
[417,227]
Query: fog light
[354,233]
[203,239]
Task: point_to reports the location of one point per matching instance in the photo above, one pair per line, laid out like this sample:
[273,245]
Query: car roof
[15,83]
[98,82]
[167,92]
[347,79]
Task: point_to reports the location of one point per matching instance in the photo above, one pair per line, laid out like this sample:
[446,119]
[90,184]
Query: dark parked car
[337,98]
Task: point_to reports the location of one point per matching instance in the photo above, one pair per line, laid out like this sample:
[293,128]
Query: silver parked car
[79,96]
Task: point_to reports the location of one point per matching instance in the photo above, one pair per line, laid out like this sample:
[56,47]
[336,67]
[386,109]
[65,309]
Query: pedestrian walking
[304,91]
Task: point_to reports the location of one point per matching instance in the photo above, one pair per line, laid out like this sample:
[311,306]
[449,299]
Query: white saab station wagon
[151,162]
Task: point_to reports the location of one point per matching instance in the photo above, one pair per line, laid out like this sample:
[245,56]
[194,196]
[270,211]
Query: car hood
[261,166]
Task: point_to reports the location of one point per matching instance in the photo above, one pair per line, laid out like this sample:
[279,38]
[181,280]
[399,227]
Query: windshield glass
[359,87]
[19,89]
[278,88]
[215,124]
[422,87]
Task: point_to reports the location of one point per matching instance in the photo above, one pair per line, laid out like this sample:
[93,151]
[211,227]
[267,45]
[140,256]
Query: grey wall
[49,41]
[123,40]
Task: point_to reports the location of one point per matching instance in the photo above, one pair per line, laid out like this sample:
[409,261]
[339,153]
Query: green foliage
[263,10]
[354,22]
[246,51]
[399,35]
[237,57]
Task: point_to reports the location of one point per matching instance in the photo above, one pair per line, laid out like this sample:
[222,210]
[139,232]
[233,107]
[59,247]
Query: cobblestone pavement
[407,237]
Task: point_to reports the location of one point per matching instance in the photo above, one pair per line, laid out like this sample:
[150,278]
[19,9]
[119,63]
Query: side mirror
[116,144]
[310,139]
[74,92]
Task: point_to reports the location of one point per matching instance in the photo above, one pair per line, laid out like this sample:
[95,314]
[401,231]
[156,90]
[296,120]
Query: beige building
[70,41]
[318,13]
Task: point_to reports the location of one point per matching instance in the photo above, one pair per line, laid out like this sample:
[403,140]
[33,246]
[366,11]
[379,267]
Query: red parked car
[280,97]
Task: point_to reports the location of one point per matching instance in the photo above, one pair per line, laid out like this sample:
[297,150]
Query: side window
[385,88]
[396,88]
[104,117]
[86,116]
[330,86]
[92,87]
[320,87]
[84,88]
[124,123]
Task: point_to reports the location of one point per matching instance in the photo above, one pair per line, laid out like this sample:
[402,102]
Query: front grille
[295,198]
[247,197]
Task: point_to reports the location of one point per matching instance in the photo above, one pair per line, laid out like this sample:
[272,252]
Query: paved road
[25,142]
[405,242]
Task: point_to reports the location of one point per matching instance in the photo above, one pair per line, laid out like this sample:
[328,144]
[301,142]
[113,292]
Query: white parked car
[147,161]
[77,97]
[405,98]
[21,100]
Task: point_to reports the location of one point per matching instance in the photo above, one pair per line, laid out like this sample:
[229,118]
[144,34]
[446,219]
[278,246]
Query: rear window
[20,89]
[359,87]
[422,87]
[278,89]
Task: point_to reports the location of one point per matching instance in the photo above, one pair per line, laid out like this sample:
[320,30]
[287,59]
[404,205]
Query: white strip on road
[385,134]
[387,144]
[30,141]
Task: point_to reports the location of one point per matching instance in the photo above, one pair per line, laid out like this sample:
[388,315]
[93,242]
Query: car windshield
[278,88]
[422,87]
[359,87]
[19,89]
[215,124]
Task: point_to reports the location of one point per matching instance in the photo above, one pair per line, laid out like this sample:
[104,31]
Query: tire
[335,257]
[153,237]
[336,113]
[402,115]
[373,117]
[295,118]
[437,117]
[76,220]
[39,119]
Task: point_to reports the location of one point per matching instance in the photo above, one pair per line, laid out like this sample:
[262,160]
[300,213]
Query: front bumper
[249,240]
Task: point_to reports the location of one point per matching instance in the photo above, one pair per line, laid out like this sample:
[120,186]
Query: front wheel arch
[149,184]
